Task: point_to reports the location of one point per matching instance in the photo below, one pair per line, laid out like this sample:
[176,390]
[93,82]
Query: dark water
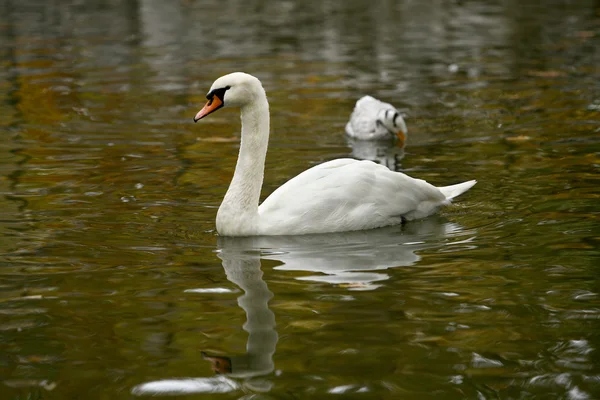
[114,284]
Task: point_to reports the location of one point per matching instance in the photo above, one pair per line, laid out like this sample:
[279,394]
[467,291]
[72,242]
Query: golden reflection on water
[112,274]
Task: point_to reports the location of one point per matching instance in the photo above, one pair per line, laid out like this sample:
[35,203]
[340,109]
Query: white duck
[336,196]
[375,120]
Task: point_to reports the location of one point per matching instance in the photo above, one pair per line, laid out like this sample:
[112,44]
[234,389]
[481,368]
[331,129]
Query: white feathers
[456,190]
[375,120]
[336,196]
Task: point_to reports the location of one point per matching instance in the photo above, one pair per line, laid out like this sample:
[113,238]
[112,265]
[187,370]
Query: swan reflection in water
[352,259]
[241,262]
[356,259]
[384,152]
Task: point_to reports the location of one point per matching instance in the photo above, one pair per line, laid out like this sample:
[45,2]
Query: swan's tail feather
[455,190]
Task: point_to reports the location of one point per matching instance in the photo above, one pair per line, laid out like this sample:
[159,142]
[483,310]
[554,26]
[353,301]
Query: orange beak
[220,365]
[401,138]
[211,106]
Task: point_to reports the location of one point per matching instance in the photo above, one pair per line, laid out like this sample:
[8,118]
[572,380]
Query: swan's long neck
[239,209]
[242,267]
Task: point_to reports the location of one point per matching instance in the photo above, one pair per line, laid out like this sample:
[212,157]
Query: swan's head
[220,365]
[391,120]
[233,90]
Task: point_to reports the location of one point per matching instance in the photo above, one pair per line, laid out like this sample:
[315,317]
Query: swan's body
[375,120]
[336,196]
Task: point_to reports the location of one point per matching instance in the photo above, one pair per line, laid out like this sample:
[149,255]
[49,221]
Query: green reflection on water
[112,274]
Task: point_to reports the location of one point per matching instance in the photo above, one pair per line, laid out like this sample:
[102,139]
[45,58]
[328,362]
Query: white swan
[375,120]
[336,196]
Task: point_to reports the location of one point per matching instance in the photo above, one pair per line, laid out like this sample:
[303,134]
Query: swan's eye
[220,93]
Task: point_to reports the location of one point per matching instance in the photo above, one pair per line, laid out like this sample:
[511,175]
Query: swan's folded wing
[347,194]
[300,183]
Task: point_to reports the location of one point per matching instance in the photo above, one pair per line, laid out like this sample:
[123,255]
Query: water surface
[114,283]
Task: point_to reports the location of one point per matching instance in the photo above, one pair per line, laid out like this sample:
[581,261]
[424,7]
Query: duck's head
[236,89]
[391,120]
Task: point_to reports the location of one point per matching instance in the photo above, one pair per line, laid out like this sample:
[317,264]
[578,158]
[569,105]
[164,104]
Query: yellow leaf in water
[218,139]
[546,74]
[311,325]
[520,138]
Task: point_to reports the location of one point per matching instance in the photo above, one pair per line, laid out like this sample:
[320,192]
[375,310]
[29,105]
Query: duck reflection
[351,259]
[384,152]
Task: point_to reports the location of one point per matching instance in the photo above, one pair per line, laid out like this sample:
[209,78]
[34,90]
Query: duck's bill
[211,106]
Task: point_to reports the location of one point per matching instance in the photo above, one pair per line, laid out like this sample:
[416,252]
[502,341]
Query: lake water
[114,283]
